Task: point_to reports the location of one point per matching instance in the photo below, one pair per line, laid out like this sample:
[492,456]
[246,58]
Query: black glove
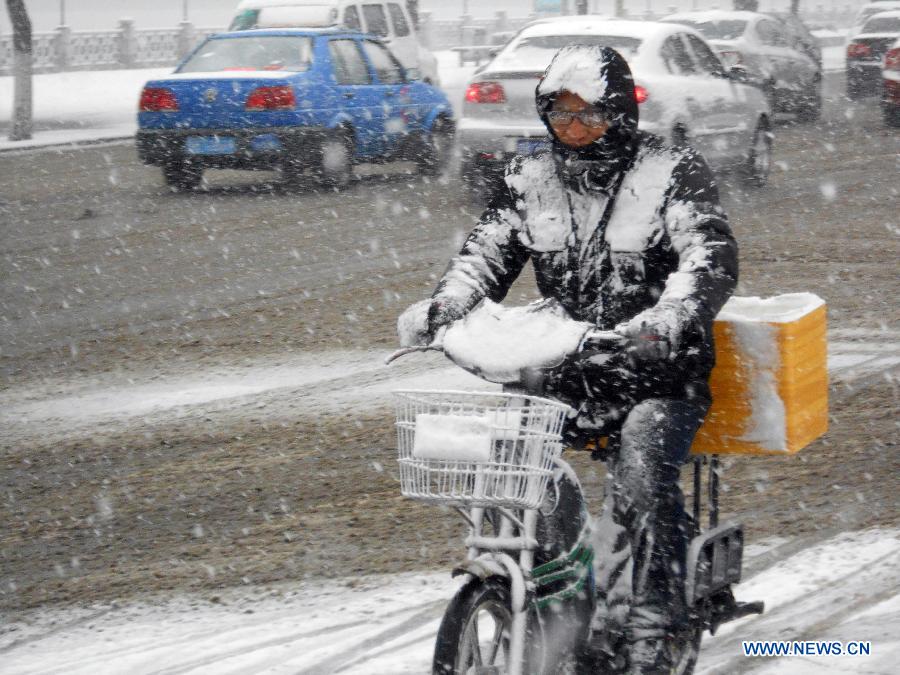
[442,312]
[645,344]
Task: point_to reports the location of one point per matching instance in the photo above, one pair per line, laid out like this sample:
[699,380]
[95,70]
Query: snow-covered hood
[599,75]
[602,77]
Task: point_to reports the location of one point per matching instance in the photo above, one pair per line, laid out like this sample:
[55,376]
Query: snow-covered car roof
[715,15]
[651,35]
[259,4]
[892,14]
[874,8]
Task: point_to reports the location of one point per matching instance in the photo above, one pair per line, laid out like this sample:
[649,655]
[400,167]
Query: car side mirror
[413,74]
[493,51]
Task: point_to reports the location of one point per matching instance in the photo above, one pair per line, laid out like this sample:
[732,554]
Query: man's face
[580,129]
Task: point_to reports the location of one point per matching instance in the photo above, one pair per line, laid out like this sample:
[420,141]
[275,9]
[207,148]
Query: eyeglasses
[589,118]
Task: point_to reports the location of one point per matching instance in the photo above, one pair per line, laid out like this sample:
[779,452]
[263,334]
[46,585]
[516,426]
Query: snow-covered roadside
[80,105]
[841,589]
[320,382]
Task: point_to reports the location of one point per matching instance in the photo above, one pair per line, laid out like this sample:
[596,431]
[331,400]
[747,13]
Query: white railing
[85,50]
[124,47]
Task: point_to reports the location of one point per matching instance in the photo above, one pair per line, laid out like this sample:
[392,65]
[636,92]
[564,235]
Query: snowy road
[326,382]
[844,588]
[190,404]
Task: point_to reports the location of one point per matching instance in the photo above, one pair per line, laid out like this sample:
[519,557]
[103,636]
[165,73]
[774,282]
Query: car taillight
[857,50]
[892,59]
[158,99]
[640,94]
[271,98]
[485,92]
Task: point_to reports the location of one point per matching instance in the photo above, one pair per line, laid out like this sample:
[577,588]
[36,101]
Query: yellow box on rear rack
[770,382]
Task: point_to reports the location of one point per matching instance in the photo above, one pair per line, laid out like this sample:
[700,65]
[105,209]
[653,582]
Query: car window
[244,20]
[387,68]
[676,56]
[401,28]
[351,18]
[882,24]
[348,63]
[376,21]
[535,53]
[704,57]
[271,52]
[770,33]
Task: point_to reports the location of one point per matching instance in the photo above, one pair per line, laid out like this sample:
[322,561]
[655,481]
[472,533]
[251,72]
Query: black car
[866,51]
[890,99]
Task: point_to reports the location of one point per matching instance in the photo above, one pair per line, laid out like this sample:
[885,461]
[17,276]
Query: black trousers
[642,535]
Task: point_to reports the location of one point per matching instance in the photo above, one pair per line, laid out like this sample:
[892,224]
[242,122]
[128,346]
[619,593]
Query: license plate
[210,145]
[530,146]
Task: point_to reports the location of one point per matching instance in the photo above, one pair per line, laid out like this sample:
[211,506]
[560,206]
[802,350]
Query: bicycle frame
[509,553]
[714,562]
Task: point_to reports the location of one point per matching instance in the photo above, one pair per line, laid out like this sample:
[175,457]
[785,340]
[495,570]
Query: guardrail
[127,47]
[124,47]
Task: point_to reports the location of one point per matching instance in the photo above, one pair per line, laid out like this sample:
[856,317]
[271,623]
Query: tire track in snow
[434,610]
[803,617]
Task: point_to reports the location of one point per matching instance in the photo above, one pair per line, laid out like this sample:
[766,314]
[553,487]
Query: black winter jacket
[661,255]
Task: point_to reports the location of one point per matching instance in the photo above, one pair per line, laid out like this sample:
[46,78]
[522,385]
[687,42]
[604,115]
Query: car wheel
[891,115]
[181,176]
[434,154]
[479,181]
[811,103]
[292,170]
[758,163]
[335,165]
[854,88]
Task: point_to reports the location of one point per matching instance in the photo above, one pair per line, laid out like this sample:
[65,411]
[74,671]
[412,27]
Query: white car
[772,54]
[867,11]
[684,92]
[388,19]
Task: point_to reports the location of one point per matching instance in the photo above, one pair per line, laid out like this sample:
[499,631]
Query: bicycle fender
[499,565]
[481,568]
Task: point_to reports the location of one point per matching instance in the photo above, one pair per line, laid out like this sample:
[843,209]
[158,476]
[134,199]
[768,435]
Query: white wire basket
[467,448]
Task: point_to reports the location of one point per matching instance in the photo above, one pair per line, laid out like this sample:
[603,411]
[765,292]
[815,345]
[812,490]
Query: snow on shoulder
[497,342]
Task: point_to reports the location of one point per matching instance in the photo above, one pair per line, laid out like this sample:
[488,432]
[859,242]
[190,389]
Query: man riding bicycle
[626,233]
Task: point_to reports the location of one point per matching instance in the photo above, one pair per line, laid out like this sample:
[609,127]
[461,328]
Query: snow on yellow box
[770,383]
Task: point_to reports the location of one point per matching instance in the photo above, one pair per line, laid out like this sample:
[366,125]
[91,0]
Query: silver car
[772,54]
[684,92]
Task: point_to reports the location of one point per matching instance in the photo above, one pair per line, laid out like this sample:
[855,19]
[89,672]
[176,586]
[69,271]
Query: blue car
[303,101]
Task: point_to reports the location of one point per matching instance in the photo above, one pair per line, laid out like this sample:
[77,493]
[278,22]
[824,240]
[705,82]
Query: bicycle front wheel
[475,633]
